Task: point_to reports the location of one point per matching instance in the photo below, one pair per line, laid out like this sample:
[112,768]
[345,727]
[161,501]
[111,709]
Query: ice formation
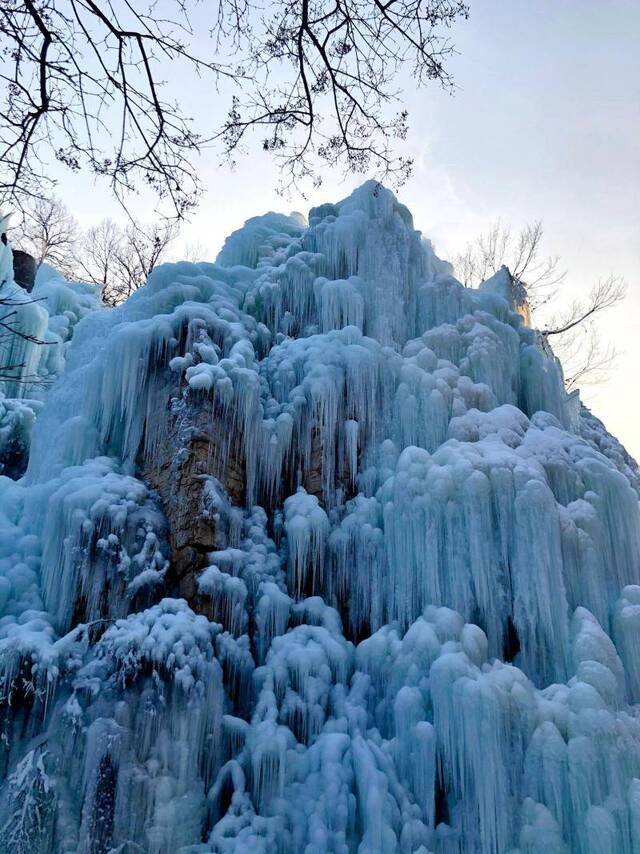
[313,553]
[33,346]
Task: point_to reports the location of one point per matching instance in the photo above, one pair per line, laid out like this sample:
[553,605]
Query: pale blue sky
[545,124]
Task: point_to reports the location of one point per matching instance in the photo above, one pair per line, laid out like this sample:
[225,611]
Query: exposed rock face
[17,417]
[14,458]
[24,269]
[511,289]
[191,452]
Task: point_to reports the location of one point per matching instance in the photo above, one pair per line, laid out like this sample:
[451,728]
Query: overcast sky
[545,124]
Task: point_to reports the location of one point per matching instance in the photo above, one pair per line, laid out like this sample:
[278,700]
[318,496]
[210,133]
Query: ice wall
[37,330]
[314,554]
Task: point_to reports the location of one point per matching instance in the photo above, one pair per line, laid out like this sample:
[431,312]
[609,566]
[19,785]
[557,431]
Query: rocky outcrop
[512,289]
[24,269]
[189,456]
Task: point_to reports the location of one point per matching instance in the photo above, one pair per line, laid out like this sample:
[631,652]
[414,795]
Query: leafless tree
[49,233]
[576,339]
[585,358]
[604,294]
[97,252]
[194,252]
[82,84]
[521,253]
[119,259]
[140,250]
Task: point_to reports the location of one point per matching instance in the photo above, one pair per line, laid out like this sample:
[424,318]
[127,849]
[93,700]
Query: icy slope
[314,554]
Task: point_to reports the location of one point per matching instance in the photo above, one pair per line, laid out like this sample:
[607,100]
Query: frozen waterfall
[312,554]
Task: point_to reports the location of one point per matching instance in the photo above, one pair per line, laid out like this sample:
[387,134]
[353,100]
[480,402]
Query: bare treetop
[576,340]
[49,233]
[82,85]
[520,253]
[120,260]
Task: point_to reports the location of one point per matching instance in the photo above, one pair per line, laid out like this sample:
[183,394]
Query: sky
[544,124]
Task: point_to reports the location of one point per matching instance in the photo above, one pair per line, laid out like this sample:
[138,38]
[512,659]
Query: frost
[168,636]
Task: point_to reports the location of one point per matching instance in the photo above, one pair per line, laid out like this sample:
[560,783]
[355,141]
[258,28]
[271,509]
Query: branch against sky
[48,232]
[577,341]
[120,260]
[520,252]
[586,359]
[337,103]
[576,338]
[88,83]
[603,295]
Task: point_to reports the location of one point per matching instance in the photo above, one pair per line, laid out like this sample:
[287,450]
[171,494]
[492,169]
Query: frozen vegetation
[402,611]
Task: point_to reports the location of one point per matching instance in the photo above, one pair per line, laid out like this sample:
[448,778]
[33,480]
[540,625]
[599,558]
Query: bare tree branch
[605,294]
[96,253]
[521,254]
[49,233]
[577,343]
[81,84]
[120,260]
[585,358]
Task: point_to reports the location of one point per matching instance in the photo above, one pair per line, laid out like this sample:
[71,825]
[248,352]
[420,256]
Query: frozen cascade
[312,553]
[32,359]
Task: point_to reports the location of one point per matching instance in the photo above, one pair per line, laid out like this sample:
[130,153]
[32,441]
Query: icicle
[229,597]
[307,528]
[627,638]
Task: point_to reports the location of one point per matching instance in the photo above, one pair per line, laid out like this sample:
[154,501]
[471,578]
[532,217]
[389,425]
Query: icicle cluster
[314,553]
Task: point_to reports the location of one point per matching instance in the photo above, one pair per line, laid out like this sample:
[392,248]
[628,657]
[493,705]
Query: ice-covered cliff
[313,554]
[35,332]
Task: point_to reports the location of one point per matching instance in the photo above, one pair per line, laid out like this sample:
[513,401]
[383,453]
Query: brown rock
[196,447]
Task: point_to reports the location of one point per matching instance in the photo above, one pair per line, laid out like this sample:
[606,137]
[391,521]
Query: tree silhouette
[85,82]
